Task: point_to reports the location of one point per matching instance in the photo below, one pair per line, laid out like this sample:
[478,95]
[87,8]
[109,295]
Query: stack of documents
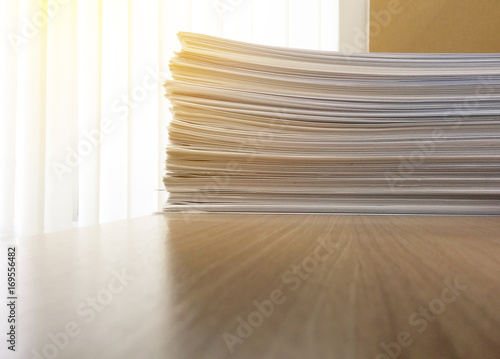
[267,129]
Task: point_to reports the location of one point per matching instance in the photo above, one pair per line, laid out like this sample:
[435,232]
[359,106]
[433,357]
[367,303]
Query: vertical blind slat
[143,118]
[329,30]
[61,121]
[304,24]
[173,16]
[114,111]
[270,22]
[30,126]
[237,17]
[8,88]
[206,16]
[89,109]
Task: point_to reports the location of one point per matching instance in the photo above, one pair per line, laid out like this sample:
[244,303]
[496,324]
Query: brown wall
[435,26]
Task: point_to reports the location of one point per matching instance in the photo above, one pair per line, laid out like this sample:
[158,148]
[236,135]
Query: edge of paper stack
[276,130]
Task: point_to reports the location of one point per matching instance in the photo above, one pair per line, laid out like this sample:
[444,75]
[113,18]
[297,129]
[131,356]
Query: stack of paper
[268,129]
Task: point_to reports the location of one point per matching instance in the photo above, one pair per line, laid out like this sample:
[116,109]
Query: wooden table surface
[263,286]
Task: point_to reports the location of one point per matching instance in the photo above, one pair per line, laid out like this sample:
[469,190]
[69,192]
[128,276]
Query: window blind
[82,114]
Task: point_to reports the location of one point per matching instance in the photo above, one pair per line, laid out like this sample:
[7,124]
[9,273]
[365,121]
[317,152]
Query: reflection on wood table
[263,286]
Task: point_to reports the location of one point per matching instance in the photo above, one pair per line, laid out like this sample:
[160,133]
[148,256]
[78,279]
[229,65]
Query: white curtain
[82,114]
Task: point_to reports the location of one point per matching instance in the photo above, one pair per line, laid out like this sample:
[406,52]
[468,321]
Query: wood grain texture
[195,276]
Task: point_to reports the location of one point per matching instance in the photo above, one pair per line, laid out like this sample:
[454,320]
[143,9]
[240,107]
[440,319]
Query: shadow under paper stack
[268,129]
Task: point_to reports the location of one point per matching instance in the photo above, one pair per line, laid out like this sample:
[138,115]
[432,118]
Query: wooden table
[263,286]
